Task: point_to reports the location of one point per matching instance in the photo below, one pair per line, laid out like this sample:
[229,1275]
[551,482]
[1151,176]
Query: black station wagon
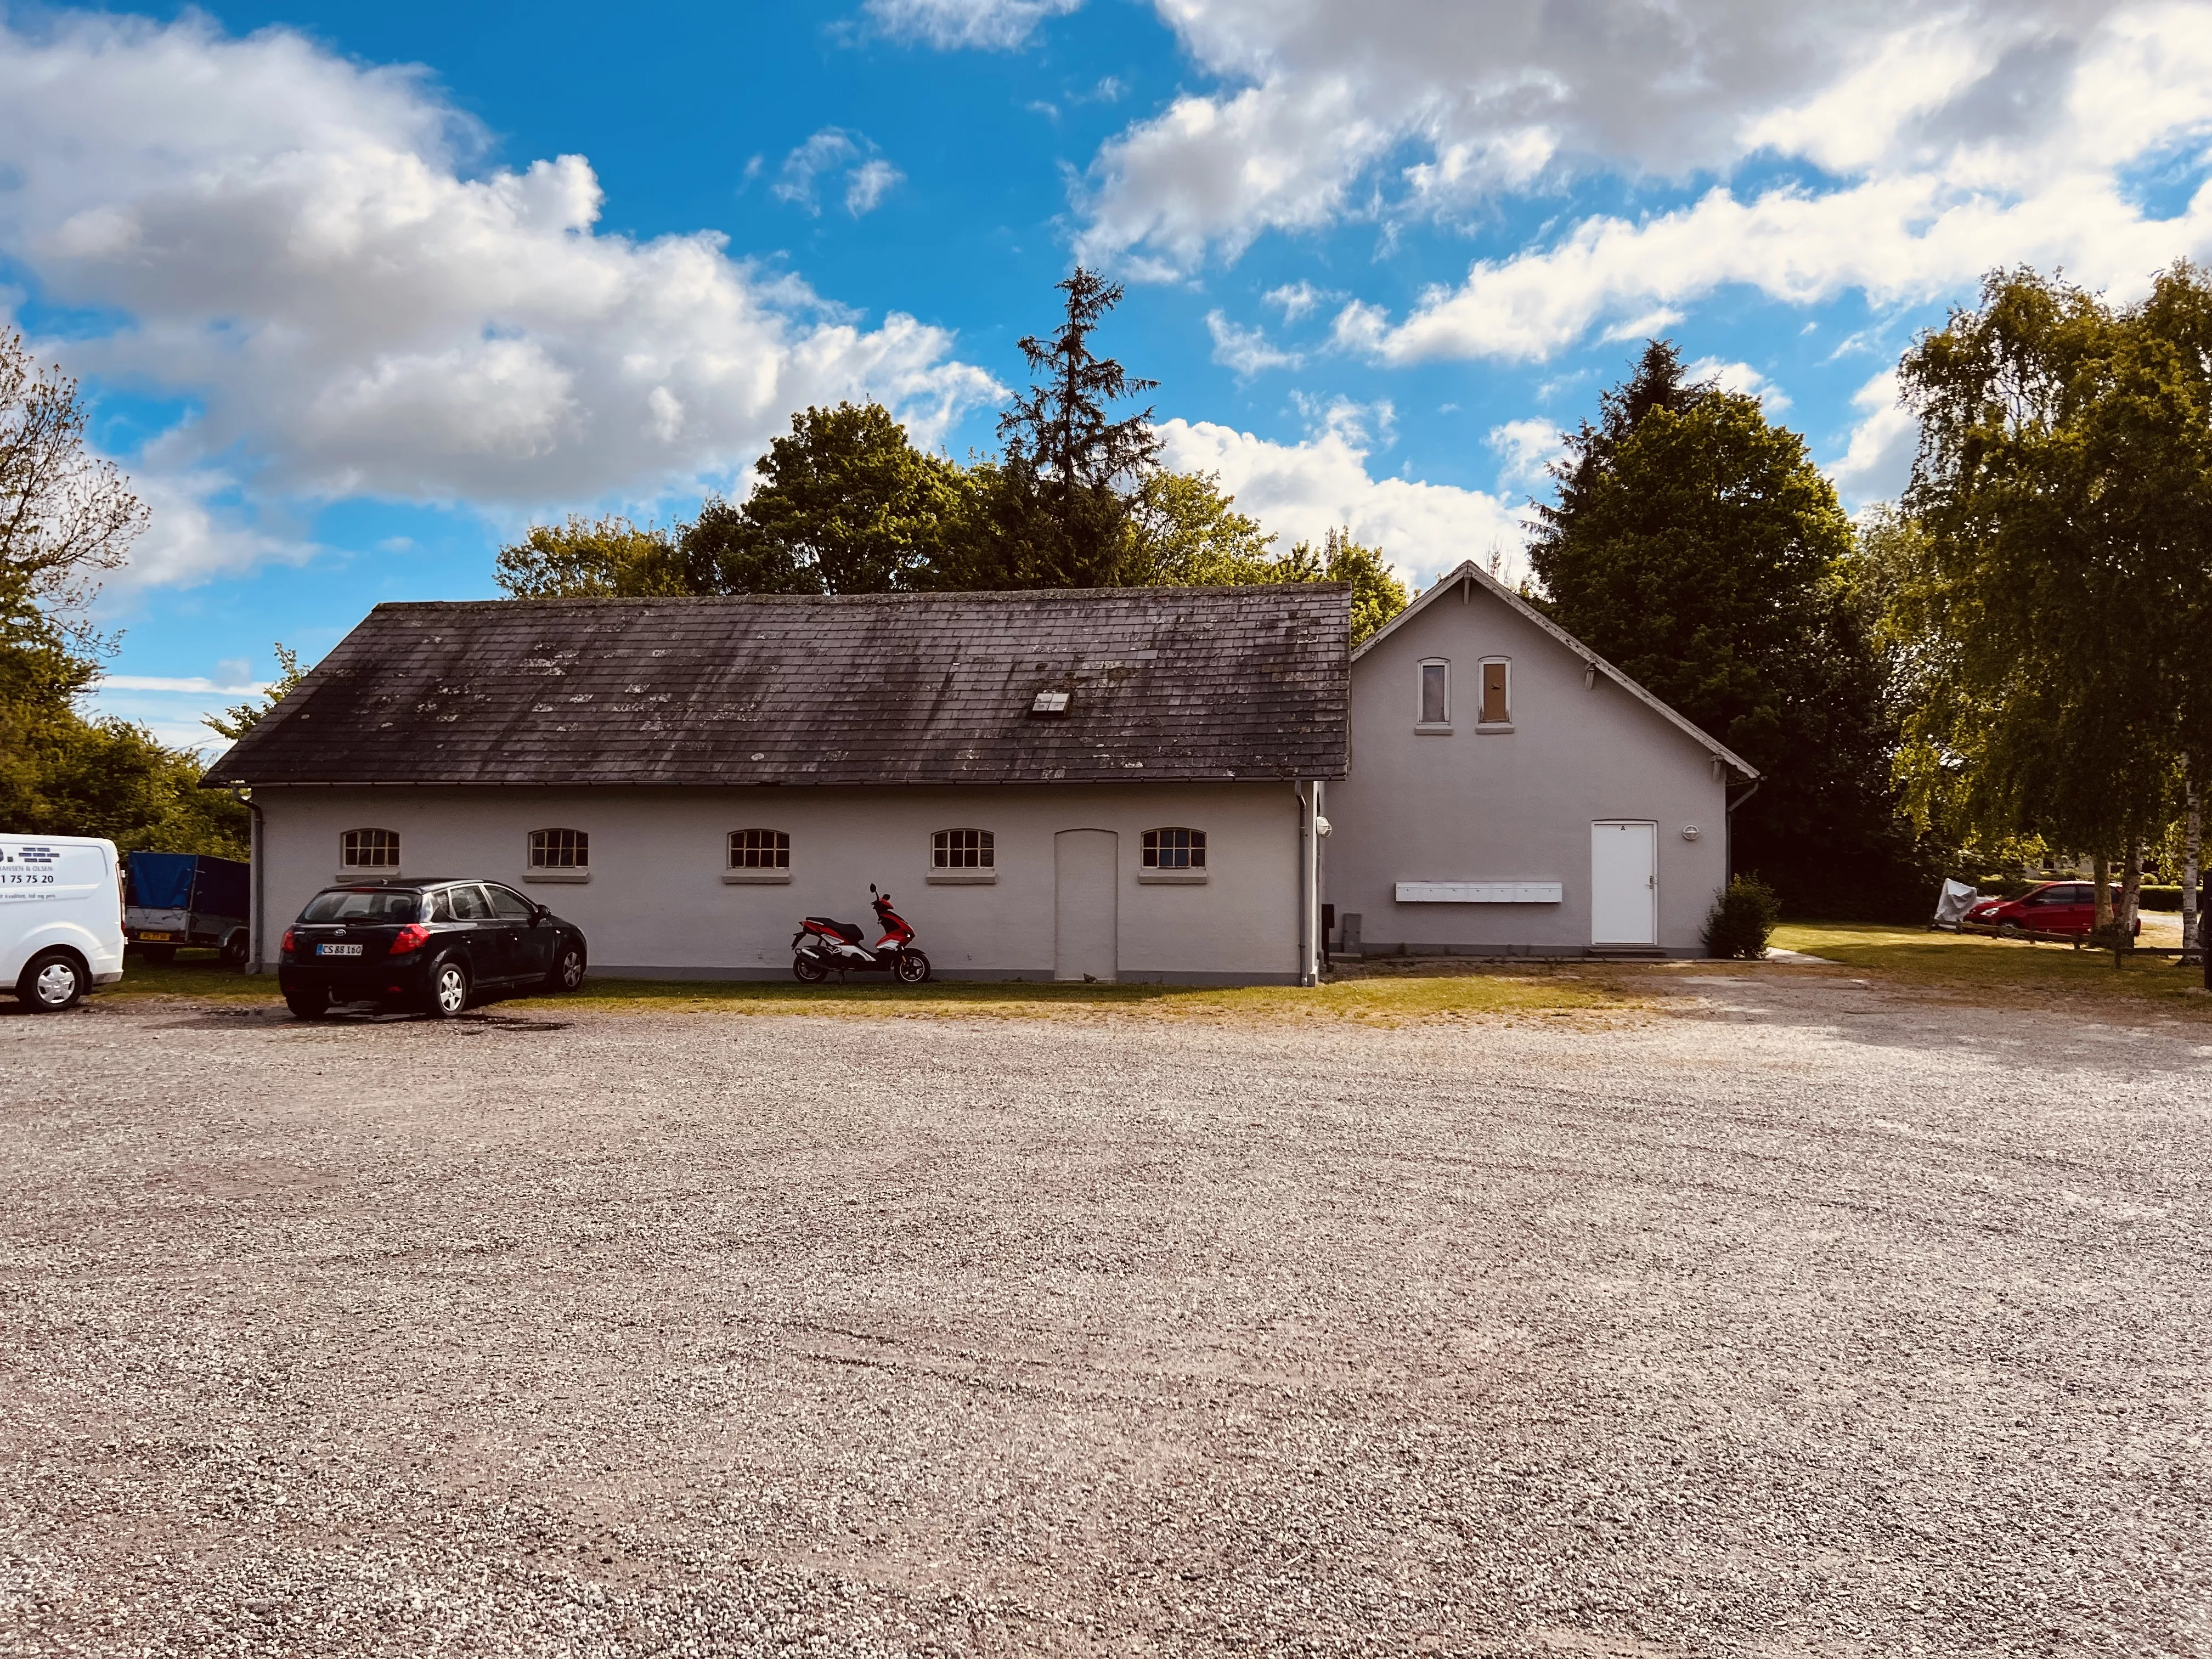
[434,946]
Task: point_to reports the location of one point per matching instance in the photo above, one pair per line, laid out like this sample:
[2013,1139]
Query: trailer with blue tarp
[172,900]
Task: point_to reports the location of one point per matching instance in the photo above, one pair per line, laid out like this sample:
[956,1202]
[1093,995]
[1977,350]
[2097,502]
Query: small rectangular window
[560,849]
[1174,850]
[1493,695]
[1436,707]
[369,849]
[759,849]
[962,849]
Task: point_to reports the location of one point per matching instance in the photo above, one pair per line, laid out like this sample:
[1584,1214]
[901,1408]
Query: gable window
[962,849]
[369,849]
[759,849]
[1435,696]
[1174,850]
[1496,705]
[560,849]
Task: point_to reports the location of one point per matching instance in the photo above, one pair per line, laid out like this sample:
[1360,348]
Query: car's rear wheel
[449,989]
[808,970]
[307,1002]
[568,967]
[50,982]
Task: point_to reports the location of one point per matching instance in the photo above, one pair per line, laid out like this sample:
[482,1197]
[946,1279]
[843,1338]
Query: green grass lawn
[1968,967]
[194,974]
[1383,997]
[2013,972]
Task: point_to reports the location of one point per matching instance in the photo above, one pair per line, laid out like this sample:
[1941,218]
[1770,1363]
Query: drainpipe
[256,850]
[1308,796]
[1305,853]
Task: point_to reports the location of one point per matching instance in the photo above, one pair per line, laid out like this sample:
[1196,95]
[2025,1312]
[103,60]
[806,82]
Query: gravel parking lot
[1805,1320]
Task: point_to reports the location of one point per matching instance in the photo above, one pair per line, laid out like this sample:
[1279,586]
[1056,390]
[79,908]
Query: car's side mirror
[537,914]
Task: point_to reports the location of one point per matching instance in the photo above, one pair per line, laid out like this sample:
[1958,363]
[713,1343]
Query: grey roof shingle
[1170,684]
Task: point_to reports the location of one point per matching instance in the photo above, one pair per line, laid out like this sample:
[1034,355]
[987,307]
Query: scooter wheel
[808,971]
[913,968]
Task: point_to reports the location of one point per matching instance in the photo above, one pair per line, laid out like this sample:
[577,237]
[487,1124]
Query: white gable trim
[1469,571]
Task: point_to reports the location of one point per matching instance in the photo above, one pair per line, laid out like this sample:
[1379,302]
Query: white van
[61,918]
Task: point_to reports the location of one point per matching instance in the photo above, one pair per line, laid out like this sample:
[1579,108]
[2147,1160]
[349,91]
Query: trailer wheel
[235,948]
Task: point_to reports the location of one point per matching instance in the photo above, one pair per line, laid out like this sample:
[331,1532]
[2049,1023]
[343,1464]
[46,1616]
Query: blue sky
[360,292]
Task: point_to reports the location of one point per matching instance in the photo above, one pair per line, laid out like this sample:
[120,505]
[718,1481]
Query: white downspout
[257,854]
[1308,883]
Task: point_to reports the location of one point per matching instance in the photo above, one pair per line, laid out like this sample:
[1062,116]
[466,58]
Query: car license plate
[337,949]
[163,938]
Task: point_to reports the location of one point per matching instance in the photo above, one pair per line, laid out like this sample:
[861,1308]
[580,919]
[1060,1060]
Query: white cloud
[1296,299]
[1946,143]
[870,183]
[296,251]
[1301,491]
[1247,350]
[197,684]
[994,25]
[200,525]
[868,178]
[1743,378]
[1525,448]
[1879,461]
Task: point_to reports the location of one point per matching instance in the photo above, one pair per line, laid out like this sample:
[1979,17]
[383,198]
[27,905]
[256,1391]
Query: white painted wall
[1471,806]
[656,903]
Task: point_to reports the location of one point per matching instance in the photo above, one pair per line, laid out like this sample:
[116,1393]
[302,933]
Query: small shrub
[1743,920]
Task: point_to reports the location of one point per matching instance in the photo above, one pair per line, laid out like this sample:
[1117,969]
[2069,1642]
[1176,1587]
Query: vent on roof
[1049,702]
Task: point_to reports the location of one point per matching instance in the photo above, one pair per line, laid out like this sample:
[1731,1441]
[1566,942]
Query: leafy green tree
[1183,531]
[2178,316]
[1377,595]
[1693,543]
[607,557]
[239,718]
[845,504]
[66,519]
[2057,604]
[66,516]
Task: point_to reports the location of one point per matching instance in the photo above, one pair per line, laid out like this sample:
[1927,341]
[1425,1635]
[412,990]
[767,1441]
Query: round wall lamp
[1689,832]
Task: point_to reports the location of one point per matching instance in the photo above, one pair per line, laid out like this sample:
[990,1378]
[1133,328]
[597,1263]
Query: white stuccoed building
[1105,784]
[1111,784]
[1513,794]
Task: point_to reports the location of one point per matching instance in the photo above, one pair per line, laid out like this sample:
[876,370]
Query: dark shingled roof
[1167,684]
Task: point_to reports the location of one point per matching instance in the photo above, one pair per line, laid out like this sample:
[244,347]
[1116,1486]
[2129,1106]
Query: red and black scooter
[822,946]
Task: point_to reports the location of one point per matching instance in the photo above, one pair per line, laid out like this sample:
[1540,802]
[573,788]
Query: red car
[2056,907]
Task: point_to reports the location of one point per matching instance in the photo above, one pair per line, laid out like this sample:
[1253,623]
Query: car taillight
[285,946]
[413,937]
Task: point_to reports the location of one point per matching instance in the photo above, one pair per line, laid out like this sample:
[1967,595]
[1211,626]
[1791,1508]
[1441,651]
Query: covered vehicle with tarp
[172,900]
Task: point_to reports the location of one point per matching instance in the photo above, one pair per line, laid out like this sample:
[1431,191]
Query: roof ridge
[947,596]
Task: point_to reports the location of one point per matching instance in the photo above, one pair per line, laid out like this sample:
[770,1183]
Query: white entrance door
[1624,883]
[1083,899]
